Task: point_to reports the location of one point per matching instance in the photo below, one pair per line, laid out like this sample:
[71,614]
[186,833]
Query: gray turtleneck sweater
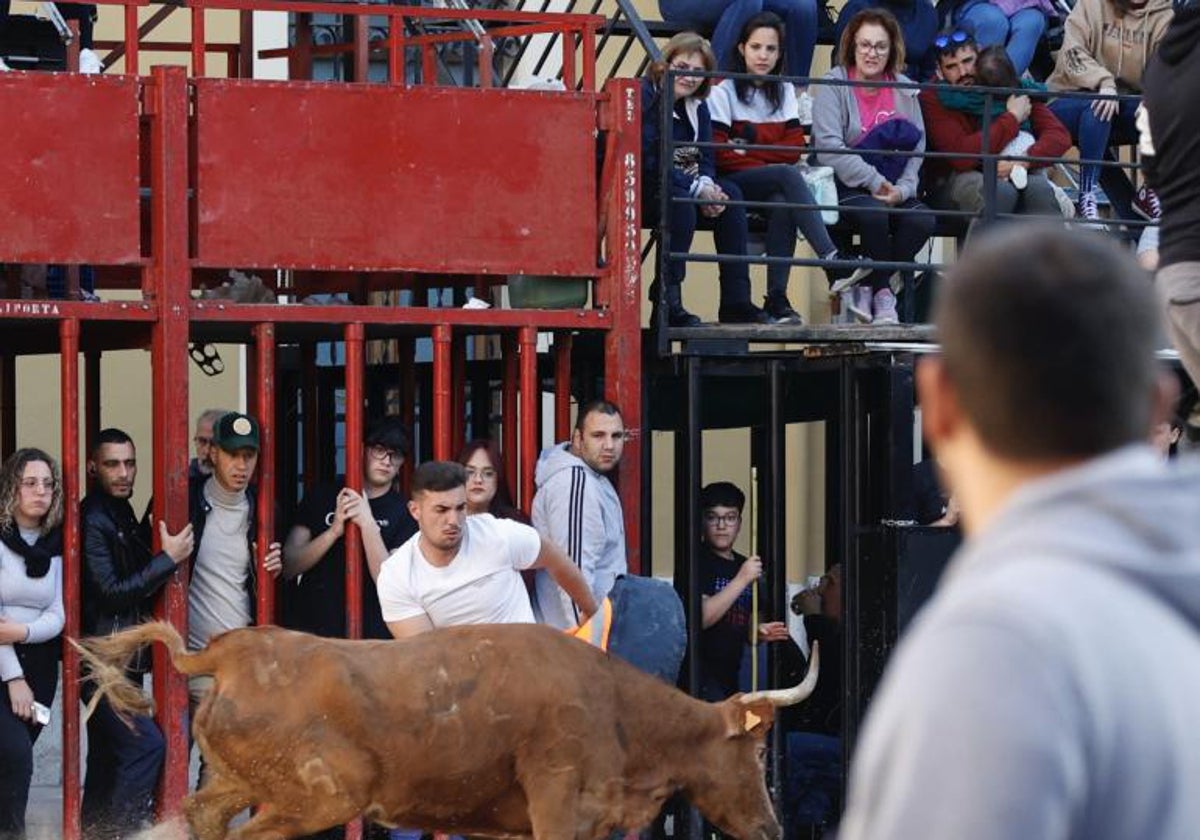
[218,599]
[34,602]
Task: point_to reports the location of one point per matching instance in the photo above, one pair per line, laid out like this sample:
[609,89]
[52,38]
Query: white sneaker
[4,68]
[89,63]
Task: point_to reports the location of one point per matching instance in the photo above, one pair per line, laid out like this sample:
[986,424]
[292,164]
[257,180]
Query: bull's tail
[108,657]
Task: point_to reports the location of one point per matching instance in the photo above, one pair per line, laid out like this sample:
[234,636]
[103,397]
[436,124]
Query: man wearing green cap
[222,507]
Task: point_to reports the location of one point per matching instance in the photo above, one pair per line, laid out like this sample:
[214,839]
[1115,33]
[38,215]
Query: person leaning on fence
[870,119]
[1105,49]
[954,118]
[763,111]
[693,174]
[31,619]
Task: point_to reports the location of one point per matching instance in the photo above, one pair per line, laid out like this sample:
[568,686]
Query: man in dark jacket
[1170,149]
[121,575]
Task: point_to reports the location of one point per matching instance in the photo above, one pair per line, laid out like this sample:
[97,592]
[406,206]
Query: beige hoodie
[1103,48]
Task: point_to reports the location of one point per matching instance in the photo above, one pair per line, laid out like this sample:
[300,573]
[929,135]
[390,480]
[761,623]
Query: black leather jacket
[120,572]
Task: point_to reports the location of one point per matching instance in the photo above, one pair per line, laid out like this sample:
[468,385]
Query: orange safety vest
[595,630]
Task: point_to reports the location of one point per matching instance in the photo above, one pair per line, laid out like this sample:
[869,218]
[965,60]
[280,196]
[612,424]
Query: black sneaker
[780,311]
[842,278]
[677,316]
[742,313]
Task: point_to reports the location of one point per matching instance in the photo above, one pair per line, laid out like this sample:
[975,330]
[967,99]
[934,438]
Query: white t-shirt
[482,584]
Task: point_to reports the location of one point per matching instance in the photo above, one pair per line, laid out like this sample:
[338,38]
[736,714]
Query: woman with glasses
[851,125]
[763,111]
[31,619]
[487,485]
[919,25]
[692,174]
[1016,25]
[1105,49]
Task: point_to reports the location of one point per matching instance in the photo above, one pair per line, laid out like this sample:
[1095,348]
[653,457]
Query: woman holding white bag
[764,111]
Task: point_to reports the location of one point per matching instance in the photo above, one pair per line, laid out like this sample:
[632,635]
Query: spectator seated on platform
[1105,49]
[918,21]
[693,174]
[1019,124]
[85,13]
[763,111]
[1015,25]
[871,119]
[727,18]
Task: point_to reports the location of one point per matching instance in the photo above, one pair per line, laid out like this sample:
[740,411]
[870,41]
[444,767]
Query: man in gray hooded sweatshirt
[577,508]
[1050,687]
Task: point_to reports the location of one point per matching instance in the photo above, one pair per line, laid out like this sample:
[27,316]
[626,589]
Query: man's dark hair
[438,477]
[1049,338]
[722,494]
[595,407]
[109,435]
[388,432]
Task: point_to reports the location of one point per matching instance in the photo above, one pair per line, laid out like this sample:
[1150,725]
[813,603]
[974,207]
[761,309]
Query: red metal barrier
[69,390]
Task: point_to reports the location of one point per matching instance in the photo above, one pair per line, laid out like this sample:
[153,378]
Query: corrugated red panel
[69,168]
[415,179]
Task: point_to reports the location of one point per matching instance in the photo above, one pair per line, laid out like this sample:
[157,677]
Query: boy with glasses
[726,584]
[314,560]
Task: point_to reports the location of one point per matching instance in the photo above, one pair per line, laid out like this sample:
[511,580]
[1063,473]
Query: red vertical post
[508,410]
[407,352]
[589,57]
[620,291]
[568,57]
[245,53]
[486,53]
[396,73]
[443,441]
[68,333]
[131,39]
[264,410]
[527,339]
[429,74]
[562,385]
[198,41]
[362,55]
[355,400]
[300,58]
[168,283]
[8,405]
[91,393]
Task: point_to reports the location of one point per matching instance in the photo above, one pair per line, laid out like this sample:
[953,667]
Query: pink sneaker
[883,307]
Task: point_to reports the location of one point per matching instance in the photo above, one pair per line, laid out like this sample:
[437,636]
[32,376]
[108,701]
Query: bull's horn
[795,694]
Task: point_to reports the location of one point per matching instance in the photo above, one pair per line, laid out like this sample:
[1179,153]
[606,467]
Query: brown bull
[510,730]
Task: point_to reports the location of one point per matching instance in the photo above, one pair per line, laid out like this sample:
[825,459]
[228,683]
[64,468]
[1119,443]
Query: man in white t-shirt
[460,570]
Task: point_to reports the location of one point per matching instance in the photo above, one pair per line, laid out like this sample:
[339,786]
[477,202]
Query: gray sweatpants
[1178,287]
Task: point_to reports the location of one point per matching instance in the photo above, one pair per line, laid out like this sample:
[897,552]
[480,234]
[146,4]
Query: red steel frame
[168,318]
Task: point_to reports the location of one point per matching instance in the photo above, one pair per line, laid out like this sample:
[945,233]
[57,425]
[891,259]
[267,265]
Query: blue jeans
[1019,34]
[1091,134]
[729,232]
[780,182]
[814,778]
[725,19]
[123,764]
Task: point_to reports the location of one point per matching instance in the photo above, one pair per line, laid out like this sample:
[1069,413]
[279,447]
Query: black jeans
[40,664]
[887,237]
[123,764]
[780,182]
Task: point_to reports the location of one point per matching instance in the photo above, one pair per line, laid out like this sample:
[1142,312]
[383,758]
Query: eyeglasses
[47,484]
[684,67]
[485,474]
[200,440]
[878,48]
[953,41]
[728,519]
[382,453]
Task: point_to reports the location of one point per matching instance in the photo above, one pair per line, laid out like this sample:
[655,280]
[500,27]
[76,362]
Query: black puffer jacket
[120,572]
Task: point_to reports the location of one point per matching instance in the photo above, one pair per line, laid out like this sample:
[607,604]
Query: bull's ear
[742,718]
